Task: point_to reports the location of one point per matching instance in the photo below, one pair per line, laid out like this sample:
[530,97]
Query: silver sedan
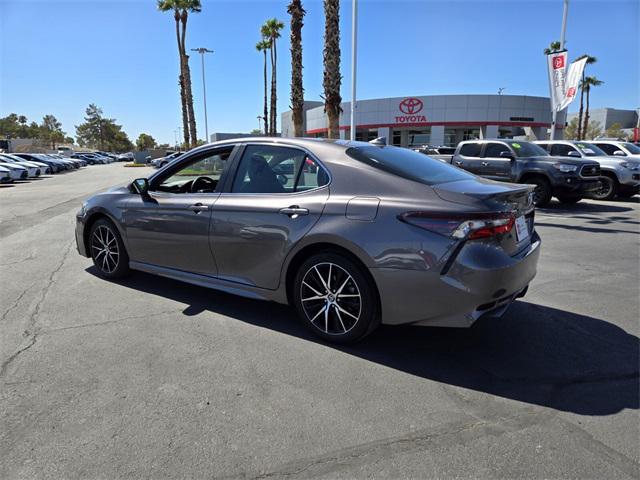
[351,234]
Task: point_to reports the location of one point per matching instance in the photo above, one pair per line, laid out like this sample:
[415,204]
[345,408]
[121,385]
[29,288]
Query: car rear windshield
[408,164]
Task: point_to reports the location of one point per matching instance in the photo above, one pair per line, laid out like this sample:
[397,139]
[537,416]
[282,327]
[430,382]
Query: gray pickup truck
[567,179]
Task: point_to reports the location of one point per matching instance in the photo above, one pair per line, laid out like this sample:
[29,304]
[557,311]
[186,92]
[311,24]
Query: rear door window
[470,150]
[277,169]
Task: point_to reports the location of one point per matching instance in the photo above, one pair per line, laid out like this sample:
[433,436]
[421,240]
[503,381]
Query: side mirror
[573,153]
[282,179]
[619,153]
[140,186]
[506,155]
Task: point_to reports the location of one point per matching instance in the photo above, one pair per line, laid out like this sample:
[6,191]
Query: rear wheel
[335,298]
[542,193]
[609,188]
[107,250]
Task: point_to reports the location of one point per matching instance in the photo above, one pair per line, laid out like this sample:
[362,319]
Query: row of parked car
[22,166]
[567,170]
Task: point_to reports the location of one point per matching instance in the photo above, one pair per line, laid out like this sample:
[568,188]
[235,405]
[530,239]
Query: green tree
[571,130]
[145,142]
[587,84]
[553,48]
[271,32]
[181,10]
[51,131]
[331,59]
[101,133]
[263,46]
[594,130]
[615,131]
[297,13]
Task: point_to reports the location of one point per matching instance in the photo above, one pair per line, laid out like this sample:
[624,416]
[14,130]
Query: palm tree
[181,10]
[331,58]
[271,32]
[297,89]
[586,85]
[590,61]
[263,46]
[553,48]
[164,6]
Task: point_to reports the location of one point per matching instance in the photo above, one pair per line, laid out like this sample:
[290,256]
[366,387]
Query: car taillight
[462,226]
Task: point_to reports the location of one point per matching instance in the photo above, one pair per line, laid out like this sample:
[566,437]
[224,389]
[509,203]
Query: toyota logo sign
[411,106]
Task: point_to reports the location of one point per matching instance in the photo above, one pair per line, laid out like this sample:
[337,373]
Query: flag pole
[354,39]
[554,113]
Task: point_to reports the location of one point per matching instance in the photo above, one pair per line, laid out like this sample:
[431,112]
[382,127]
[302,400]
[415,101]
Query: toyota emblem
[411,106]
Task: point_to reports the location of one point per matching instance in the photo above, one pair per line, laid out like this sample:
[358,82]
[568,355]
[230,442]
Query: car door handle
[294,211]
[199,207]
[484,164]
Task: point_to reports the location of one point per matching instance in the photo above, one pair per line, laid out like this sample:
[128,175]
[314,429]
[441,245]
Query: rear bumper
[481,281]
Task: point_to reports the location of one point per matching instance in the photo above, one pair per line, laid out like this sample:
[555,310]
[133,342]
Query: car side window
[495,149]
[561,150]
[199,175]
[276,169]
[470,150]
[607,147]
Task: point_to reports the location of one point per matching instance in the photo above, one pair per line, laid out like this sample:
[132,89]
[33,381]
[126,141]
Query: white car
[5,175]
[16,171]
[618,148]
[34,170]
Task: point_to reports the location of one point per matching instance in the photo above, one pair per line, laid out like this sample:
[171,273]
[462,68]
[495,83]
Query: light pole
[554,113]
[354,39]
[202,51]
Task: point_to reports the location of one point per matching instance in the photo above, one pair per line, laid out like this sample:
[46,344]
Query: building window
[366,135]
[417,138]
[396,138]
[450,137]
[471,134]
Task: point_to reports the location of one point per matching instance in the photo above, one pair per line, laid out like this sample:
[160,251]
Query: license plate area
[522,229]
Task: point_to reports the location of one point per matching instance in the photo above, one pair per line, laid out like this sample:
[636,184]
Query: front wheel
[107,250]
[608,190]
[542,193]
[335,298]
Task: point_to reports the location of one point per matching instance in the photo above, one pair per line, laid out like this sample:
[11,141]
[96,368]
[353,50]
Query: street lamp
[202,51]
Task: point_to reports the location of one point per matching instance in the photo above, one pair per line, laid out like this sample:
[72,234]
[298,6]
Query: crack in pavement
[108,322]
[15,304]
[31,331]
[31,256]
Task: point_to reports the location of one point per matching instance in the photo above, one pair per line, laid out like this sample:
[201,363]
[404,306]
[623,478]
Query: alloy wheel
[105,249]
[331,298]
[605,190]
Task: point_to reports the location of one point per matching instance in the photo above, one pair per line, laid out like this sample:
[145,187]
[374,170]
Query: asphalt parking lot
[151,378]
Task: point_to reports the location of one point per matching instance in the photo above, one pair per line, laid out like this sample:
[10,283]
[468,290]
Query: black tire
[163,164]
[543,193]
[609,188]
[113,262]
[569,200]
[350,316]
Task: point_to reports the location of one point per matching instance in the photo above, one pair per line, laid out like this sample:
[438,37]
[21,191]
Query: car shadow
[557,207]
[534,354]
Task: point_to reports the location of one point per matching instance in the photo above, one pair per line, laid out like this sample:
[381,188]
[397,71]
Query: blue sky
[58,56]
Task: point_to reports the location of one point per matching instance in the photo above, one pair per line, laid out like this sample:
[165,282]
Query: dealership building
[435,119]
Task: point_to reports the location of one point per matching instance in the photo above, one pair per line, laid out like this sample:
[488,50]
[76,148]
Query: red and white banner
[572,82]
[557,68]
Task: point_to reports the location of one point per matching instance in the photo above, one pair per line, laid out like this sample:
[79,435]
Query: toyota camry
[351,234]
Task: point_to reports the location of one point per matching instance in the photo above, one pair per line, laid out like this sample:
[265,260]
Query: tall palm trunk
[183,97]
[331,55]
[297,89]
[274,95]
[266,110]
[586,116]
[580,112]
[186,73]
